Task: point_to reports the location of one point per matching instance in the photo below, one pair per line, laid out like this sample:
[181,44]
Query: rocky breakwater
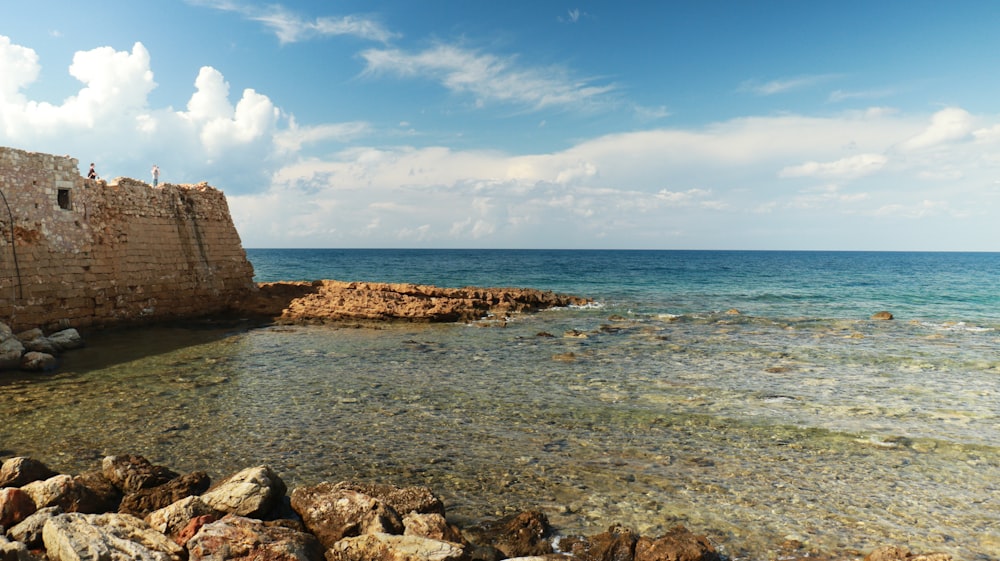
[335,301]
[130,509]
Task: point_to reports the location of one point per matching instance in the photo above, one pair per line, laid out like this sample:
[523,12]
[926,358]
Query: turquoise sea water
[746,395]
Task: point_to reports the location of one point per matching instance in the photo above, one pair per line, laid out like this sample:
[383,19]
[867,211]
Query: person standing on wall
[156,175]
[92,174]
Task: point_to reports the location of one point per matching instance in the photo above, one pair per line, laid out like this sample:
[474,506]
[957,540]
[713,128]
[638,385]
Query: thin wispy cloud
[490,78]
[784,85]
[572,16]
[838,96]
[290,27]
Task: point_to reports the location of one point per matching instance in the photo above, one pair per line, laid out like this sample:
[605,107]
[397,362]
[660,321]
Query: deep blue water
[825,285]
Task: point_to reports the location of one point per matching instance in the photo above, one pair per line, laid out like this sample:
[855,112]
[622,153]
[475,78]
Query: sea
[746,395]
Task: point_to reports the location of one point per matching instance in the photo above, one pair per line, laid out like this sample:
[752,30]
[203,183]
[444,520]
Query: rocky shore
[335,301]
[129,509]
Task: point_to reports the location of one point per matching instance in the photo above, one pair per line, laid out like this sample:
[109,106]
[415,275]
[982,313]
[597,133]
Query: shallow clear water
[793,420]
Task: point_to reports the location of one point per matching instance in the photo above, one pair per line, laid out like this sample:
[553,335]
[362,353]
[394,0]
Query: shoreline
[168,516]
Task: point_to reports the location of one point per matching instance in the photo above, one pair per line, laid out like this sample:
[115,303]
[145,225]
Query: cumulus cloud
[947,125]
[489,78]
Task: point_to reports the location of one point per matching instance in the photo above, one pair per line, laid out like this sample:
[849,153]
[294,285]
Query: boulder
[332,513]
[431,525]
[63,491]
[107,497]
[29,531]
[617,544]
[10,354]
[678,544]
[389,547]
[882,315]
[15,506]
[66,339]
[145,501]
[238,537]
[34,361]
[251,492]
[35,340]
[19,471]
[520,535]
[106,537]
[173,519]
[131,473]
[403,500]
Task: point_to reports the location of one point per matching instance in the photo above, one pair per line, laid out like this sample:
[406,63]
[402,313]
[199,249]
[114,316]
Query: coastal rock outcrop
[32,350]
[330,300]
[191,529]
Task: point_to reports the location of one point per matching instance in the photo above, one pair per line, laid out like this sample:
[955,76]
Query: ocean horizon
[747,395]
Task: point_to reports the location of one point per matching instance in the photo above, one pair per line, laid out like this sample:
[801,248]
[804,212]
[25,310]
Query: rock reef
[332,301]
[130,509]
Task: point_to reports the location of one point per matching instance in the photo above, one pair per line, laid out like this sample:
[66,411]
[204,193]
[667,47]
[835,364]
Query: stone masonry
[76,252]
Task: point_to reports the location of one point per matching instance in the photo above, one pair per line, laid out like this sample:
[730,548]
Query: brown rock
[329,300]
[18,472]
[519,535]
[388,547]
[882,315]
[246,539]
[432,525]
[106,496]
[63,491]
[193,527]
[15,506]
[332,513]
[402,499]
[176,517]
[678,544]
[617,544]
[145,501]
[130,473]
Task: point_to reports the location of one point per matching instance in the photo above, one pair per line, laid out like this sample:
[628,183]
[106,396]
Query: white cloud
[290,27]
[784,85]
[489,78]
[849,167]
[947,125]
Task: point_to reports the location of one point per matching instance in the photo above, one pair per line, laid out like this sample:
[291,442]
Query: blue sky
[674,125]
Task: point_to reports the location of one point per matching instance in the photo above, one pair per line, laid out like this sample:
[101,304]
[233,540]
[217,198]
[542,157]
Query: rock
[897,553]
[332,513]
[29,531]
[106,537]
[389,547]
[192,528]
[14,551]
[519,535]
[882,315]
[106,496]
[252,492]
[63,491]
[617,544]
[35,340]
[173,519]
[33,361]
[329,300]
[145,501]
[131,473]
[431,525]
[678,544]
[10,354]
[402,499]
[66,339]
[19,471]
[238,537]
[15,506]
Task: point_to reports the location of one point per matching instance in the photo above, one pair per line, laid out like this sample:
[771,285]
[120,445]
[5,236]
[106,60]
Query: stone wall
[76,252]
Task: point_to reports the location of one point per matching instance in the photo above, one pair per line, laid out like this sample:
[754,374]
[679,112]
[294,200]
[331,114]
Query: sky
[702,124]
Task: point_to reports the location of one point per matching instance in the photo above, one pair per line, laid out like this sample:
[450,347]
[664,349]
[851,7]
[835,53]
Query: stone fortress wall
[76,252]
